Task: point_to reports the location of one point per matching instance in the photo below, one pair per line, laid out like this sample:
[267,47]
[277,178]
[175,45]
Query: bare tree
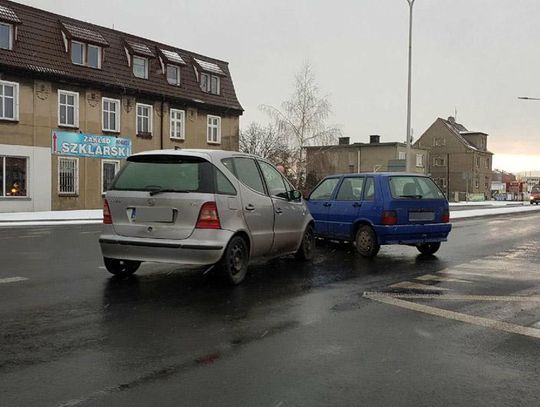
[302,120]
[262,141]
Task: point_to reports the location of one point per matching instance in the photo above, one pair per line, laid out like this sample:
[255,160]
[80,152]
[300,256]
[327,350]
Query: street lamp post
[409,89]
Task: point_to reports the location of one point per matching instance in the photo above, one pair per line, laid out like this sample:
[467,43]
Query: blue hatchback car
[373,209]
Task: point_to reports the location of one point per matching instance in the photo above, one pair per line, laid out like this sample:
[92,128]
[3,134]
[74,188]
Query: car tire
[429,248]
[307,247]
[121,268]
[366,241]
[235,261]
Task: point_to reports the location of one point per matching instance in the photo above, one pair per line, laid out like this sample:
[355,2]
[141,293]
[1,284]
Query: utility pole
[409,89]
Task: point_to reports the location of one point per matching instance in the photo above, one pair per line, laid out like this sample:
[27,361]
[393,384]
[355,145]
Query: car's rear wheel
[307,247]
[122,268]
[366,241]
[235,260]
[429,248]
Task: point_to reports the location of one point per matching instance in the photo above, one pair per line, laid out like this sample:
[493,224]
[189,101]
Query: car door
[289,215]
[319,203]
[256,204]
[345,207]
[371,206]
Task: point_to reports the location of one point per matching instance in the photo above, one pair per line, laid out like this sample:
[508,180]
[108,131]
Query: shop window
[13,176]
[109,169]
[68,108]
[68,176]
[111,115]
[144,119]
[9,100]
[213,135]
[177,124]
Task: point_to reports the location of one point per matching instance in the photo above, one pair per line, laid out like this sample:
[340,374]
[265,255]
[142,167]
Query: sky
[473,57]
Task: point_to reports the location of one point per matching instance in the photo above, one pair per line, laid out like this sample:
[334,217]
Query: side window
[369,189]
[351,189]
[274,181]
[247,172]
[223,185]
[324,190]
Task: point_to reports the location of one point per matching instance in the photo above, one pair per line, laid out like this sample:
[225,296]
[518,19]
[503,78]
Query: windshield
[535,189]
[165,173]
[411,187]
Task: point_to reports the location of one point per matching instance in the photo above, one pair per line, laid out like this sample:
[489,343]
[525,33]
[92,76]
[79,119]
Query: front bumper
[203,247]
[413,234]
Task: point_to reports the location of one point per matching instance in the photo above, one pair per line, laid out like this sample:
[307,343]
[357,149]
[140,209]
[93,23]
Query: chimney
[374,139]
[452,120]
[343,141]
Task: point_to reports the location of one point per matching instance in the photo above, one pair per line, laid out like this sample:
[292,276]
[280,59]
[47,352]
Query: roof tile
[85,34]
[8,15]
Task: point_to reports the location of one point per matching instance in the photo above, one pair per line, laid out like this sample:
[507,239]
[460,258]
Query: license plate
[421,216]
[143,214]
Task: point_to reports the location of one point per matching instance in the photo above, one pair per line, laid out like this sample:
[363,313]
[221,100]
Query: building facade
[360,157]
[458,159]
[76,99]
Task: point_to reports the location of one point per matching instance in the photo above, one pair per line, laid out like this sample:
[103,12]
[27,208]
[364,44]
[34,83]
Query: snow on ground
[489,203]
[470,213]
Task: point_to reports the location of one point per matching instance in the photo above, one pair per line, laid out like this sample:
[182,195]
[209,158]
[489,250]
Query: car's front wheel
[235,260]
[307,247]
[429,248]
[366,241]
[122,268]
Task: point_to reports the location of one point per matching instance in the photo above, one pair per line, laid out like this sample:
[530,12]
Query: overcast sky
[473,56]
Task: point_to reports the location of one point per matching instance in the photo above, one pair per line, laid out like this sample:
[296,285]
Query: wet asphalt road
[460,328]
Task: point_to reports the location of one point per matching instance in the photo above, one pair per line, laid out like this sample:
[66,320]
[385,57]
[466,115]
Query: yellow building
[76,99]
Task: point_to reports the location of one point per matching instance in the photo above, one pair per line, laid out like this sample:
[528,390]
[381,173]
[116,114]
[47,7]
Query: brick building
[76,99]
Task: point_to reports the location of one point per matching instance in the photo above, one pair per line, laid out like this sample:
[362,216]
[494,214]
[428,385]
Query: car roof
[377,174]
[202,153]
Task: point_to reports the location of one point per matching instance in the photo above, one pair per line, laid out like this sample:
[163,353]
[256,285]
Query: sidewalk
[95,216]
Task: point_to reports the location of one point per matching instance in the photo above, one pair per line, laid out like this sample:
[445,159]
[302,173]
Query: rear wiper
[159,191]
[411,196]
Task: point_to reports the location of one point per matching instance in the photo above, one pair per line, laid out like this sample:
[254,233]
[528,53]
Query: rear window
[404,187]
[535,189]
[173,174]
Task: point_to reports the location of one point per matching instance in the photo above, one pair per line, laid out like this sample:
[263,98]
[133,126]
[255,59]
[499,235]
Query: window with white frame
[109,169]
[68,176]
[85,54]
[9,100]
[213,135]
[6,36]
[173,75]
[68,108]
[140,67]
[178,120]
[439,162]
[402,155]
[420,160]
[210,83]
[111,115]
[441,182]
[13,176]
[144,119]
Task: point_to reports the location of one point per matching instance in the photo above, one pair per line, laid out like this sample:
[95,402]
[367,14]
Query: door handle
[279,210]
[250,207]
[356,205]
[327,204]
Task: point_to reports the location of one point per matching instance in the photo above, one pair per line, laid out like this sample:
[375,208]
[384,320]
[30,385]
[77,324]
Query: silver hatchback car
[202,207]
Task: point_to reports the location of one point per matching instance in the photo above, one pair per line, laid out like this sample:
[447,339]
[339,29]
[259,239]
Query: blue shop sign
[89,145]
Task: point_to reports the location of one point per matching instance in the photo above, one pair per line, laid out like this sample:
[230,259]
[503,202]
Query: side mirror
[296,195]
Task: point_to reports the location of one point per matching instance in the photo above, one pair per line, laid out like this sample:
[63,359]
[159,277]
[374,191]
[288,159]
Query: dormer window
[140,67]
[86,54]
[84,45]
[173,75]
[6,36]
[210,77]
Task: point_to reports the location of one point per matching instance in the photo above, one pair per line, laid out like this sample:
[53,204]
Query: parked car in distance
[534,197]
[374,209]
[202,207]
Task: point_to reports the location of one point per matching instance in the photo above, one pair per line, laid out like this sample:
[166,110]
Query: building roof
[459,131]
[40,51]
[353,145]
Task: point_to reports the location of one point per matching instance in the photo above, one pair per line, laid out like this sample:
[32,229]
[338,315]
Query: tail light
[446,217]
[389,218]
[107,218]
[208,217]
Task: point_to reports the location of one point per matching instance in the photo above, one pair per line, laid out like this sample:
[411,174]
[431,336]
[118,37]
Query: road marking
[416,286]
[456,316]
[431,277]
[12,280]
[91,232]
[456,297]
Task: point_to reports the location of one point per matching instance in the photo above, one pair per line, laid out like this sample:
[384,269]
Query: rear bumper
[204,247]
[413,234]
